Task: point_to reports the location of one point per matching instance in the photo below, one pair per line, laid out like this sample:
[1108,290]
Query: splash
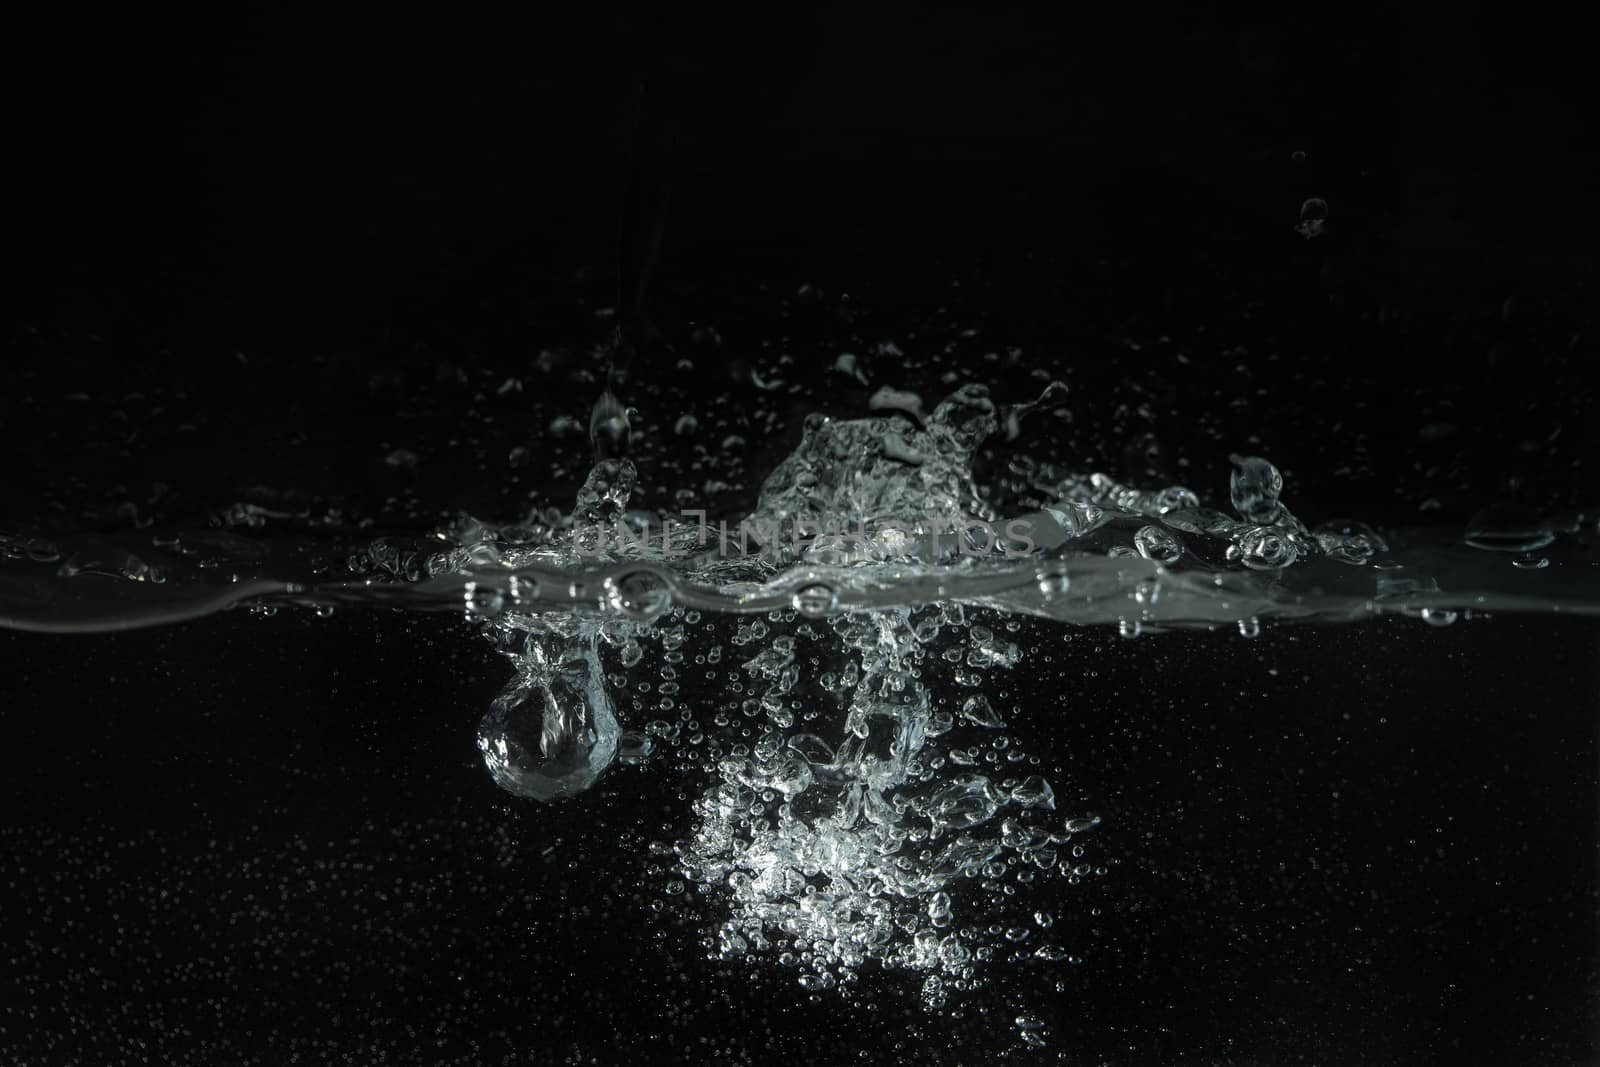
[867,798]
[867,792]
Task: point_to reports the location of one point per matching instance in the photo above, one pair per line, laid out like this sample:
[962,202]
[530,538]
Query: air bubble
[816,600]
[639,595]
[1054,583]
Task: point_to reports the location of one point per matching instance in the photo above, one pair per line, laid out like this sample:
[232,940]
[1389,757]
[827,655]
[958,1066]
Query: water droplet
[1129,628]
[1439,616]
[1250,627]
[634,747]
[1155,543]
[1507,527]
[1263,548]
[1176,498]
[553,733]
[1054,583]
[1313,217]
[609,430]
[815,600]
[1034,792]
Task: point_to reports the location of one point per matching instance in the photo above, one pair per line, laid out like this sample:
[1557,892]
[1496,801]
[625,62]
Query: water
[828,677]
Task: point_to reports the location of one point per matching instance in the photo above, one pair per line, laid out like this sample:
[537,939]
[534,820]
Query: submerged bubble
[977,709]
[634,747]
[815,600]
[552,732]
[1250,627]
[1439,616]
[1531,562]
[483,600]
[639,595]
[1053,583]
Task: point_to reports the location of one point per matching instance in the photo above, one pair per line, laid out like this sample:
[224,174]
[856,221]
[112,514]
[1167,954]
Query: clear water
[827,675]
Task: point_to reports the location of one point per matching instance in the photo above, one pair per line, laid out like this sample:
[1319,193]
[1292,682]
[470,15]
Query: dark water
[242,840]
[329,280]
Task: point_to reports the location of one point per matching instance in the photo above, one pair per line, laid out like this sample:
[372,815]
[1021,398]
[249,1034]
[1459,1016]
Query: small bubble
[1250,627]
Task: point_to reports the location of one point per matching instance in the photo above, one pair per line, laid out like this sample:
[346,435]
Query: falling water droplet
[1313,217]
[609,430]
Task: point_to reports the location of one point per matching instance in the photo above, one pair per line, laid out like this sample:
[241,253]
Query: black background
[281,212]
[297,222]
